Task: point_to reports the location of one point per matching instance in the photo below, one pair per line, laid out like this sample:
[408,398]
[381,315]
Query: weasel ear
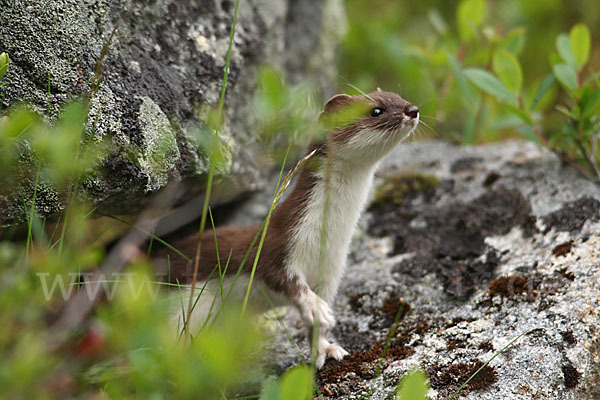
[336,102]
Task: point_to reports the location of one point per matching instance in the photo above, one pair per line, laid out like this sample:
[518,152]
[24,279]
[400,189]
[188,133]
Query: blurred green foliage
[483,70]
[295,384]
[416,50]
[413,386]
[4,61]
[128,348]
[284,115]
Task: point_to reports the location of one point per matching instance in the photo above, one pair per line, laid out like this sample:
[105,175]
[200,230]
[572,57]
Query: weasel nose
[411,111]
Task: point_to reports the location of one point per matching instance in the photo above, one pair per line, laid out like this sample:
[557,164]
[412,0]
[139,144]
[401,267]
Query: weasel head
[363,129]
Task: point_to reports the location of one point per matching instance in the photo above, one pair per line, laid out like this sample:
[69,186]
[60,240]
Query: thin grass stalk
[223,298]
[391,334]
[186,315]
[240,268]
[31,214]
[486,363]
[221,272]
[212,165]
[322,246]
[285,329]
[265,227]
[151,235]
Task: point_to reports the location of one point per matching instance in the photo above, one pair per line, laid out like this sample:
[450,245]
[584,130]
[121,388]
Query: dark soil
[491,178]
[449,240]
[562,249]
[348,376]
[452,376]
[573,215]
[568,337]
[508,286]
[571,375]
[393,309]
[486,346]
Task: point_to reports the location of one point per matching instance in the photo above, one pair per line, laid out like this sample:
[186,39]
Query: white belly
[347,196]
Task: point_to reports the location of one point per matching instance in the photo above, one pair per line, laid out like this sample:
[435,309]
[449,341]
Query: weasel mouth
[409,128]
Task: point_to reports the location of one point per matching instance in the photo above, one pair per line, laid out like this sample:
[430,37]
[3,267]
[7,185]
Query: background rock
[472,248]
[163,69]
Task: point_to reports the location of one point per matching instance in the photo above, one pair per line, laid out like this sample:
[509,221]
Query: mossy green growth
[4,60]
[395,187]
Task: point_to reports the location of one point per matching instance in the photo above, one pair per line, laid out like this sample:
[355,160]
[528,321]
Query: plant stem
[548,145]
[211,170]
[266,226]
[588,159]
[486,363]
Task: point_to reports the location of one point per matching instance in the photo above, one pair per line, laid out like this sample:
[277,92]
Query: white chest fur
[348,191]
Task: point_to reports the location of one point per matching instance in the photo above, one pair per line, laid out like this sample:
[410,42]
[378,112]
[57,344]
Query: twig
[562,156]
[99,69]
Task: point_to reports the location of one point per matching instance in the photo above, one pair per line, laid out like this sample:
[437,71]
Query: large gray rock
[470,247]
[163,71]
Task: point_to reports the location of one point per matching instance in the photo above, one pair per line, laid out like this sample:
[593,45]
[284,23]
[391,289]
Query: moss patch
[395,188]
[508,286]
[452,376]
[571,375]
[449,240]
[394,308]
[562,249]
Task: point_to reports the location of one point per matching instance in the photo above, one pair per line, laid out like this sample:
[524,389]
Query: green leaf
[514,41]
[566,75]
[508,69]
[490,84]
[297,384]
[580,41]
[524,116]
[545,85]
[437,21]
[4,61]
[469,136]
[460,78]
[413,386]
[555,59]
[18,123]
[590,102]
[566,111]
[270,391]
[564,50]
[272,87]
[469,16]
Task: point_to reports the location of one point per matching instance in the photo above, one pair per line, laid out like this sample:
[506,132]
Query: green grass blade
[158,239]
[486,363]
[211,170]
[264,230]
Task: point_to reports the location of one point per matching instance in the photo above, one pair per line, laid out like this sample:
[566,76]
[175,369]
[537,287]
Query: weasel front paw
[329,350]
[326,318]
[312,307]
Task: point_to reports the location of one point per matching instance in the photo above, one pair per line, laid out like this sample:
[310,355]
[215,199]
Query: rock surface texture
[163,71]
[468,248]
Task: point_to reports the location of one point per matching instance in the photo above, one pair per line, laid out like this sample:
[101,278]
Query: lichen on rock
[165,61]
[477,265]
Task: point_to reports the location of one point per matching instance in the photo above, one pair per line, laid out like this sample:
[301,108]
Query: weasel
[361,131]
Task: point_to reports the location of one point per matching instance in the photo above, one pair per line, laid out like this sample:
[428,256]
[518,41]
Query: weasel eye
[376,112]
